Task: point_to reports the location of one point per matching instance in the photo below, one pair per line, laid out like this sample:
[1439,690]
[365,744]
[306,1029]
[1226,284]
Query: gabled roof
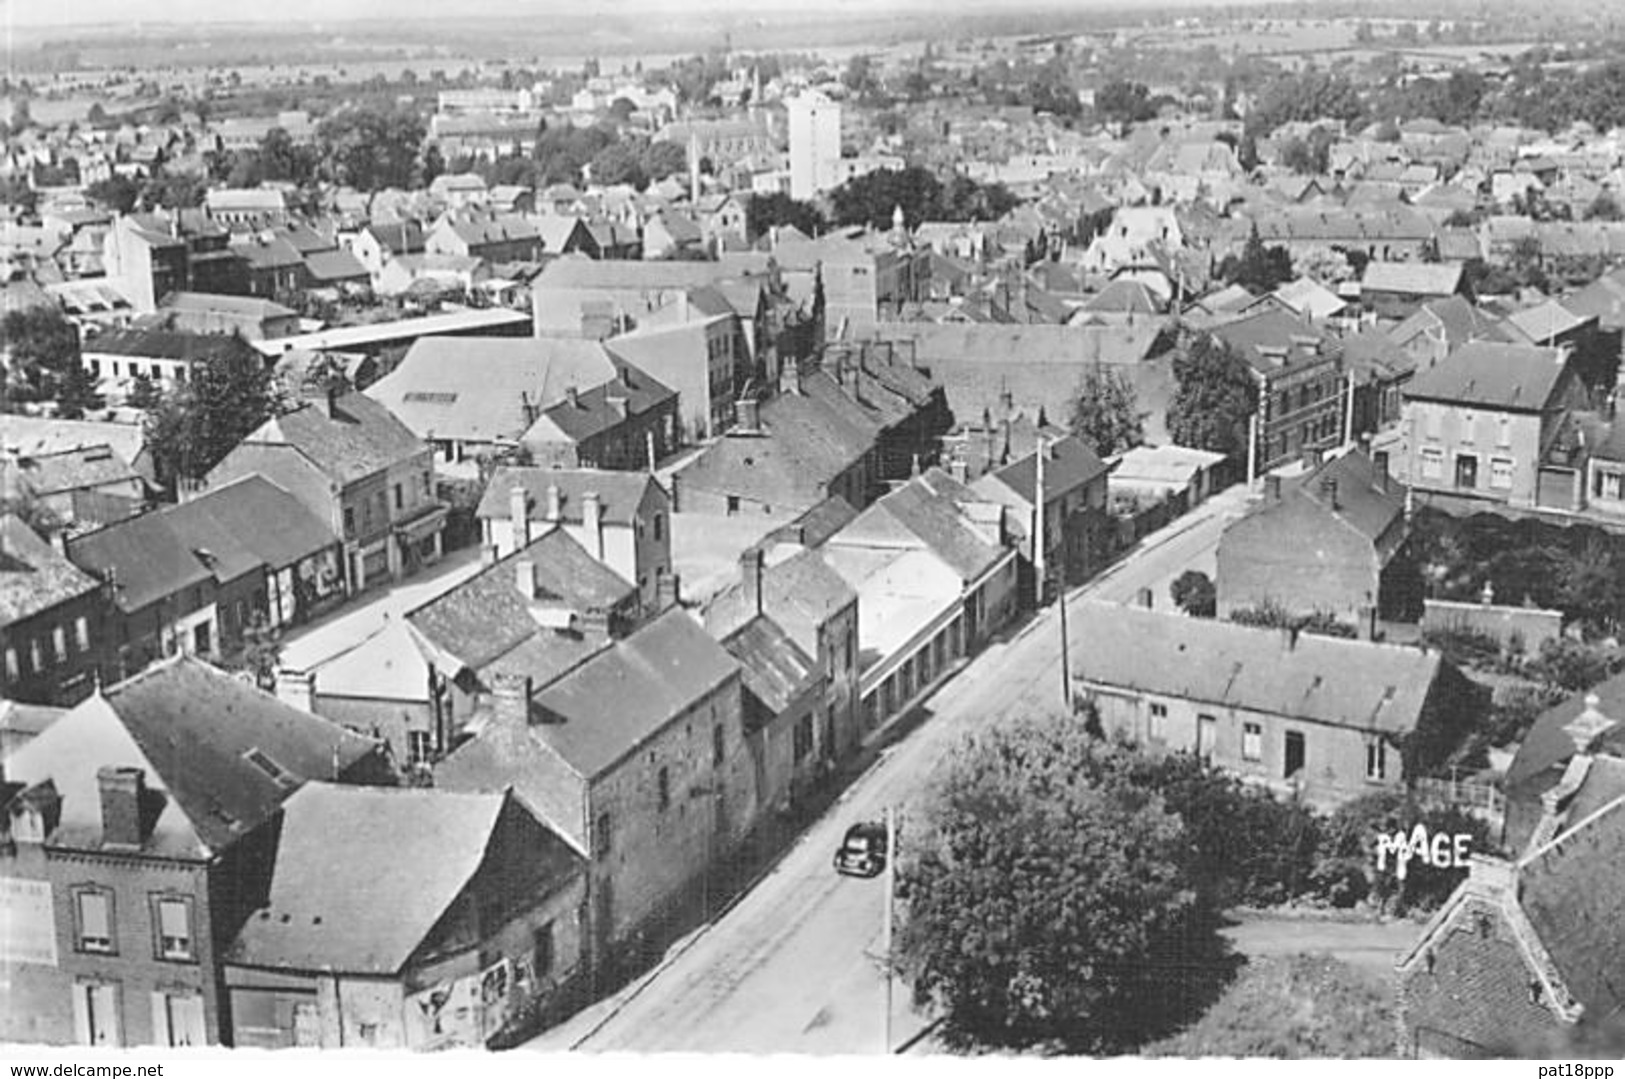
[1412,278]
[1520,378]
[774,669]
[1546,322]
[801,592]
[927,513]
[619,493]
[653,676]
[602,408]
[334,266]
[345,854]
[81,469]
[34,577]
[397,237]
[169,345]
[145,557]
[1352,684]
[267,521]
[360,438]
[1070,465]
[220,756]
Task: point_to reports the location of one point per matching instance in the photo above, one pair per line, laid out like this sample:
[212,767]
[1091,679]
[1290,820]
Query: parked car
[863,852]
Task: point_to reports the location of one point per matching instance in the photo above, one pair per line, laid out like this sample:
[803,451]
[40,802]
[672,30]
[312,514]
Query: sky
[69,12]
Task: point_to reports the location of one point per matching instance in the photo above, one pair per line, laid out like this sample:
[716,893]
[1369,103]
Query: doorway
[1294,754]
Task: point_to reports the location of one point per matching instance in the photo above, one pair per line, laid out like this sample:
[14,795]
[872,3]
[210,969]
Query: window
[1159,721]
[400,497]
[1503,435]
[1607,484]
[172,924]
[1432,463]
[603,833]
[419,747]
[803,735]
[660,527]
[36,656]
[1501,473]
[1430,422]
[96,1014]
[349,522]
[202,639]
[427,484]
[663,789]
[81,634]
[543,950]
[1252,741]
[59,643]
[93,911]
[1469,422]
[1376,759]
[733,505]
[11,663]
[719,745]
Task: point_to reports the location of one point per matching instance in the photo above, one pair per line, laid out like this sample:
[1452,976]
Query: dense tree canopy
[1047,898]
[43,347]
[371,149]
[197,423]
[766,211]
[871,199]
[1215,396]
[1106,413]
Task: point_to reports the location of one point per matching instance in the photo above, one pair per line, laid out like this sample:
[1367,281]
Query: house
[1073,516]
[483,928]
[1436,327]
[493,238]
[479,396]
[786,612]
[1328,718]
[82,487]
[705,360]
[275,266]
[431,274]
[865,280]
[141,831]
[360,471]
[42,436]
[672,235]
[1302,387]
[621,519]
[250,318]
[1519,960]
[379,243]
[1178,473]
[166,357]
[654,791]
[625,424]
[1485,423]
[1323,544]
[1396,289]
[246,208]
[935,581]
[53,621]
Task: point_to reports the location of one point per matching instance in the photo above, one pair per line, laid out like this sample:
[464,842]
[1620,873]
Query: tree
[42,346]
[619,163]
[1259,268]
[764,212]
[1215,396]
[621,109]
[663,159]
[1123,102]
[371,149]
[118,193]
[1106,412]
[281,159]
[1046,897]
[1193,593]
[76,393]
[24,505]
[143,394]
[201,420]
[1603,208]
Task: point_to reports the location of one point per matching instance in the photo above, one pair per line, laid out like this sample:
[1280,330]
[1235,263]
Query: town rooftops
[1070,464]
[34,576]
[397,237]
[1344,683]
[1412,278]
[1350,488]
[360,437]
[602,408]
[145,559]
[219,757]
[1546,322]
[167,345]
[1485,374]
[774,669]
[619,493]
[345,854]
[652,677]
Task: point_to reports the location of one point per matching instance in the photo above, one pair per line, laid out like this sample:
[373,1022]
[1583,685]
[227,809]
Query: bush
[1575,665]
[1345,870]
[1465,647]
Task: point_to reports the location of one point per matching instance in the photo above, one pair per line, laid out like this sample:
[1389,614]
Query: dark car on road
[863,852]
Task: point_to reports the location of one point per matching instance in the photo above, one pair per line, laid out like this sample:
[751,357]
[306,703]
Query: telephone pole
[891,892]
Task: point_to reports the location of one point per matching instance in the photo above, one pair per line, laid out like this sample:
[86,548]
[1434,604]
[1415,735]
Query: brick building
[52,620]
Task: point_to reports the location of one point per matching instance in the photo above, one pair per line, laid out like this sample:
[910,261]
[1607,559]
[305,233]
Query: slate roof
[619,493]
[926,513]
[272,254]
[1353,684]
[397,237]
[1071,464]
[1362,501]
[34,577]
[774,669]
[1485,374]
[361,437]
[267,521]
[1412,278]
[169,345]
[192,729]
[334,266]
[1547,321]
[486,618]
[477,389]
[653,676]
[595,411]
[82,469]
[147,558]
[346,855]
[801,593]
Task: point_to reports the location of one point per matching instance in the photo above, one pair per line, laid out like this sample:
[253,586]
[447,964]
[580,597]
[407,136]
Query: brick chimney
[747,417]
[592,522]
[519,514]
[553,507]
[296,688]
[121,790]
[525,577]
[750,572]
[510,699]
[1584,728]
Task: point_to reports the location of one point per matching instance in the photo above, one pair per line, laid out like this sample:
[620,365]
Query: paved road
[793,966]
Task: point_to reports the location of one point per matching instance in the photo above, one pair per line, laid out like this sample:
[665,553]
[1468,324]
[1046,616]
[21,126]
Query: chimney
[488,554]
[121,790]
[1147,598]
[572,397]
[617,404]
[519,515]
[592,521]
[668,591]
[1289,637]
[1311,457]
[525,577]
[747,416]
[1329,486]
[554,508]
[296,688]
[1489,873]
[1272,487]
[959,470]
[510,699]
[324,399]
[1487,595]
[1584,728]
[750,573]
